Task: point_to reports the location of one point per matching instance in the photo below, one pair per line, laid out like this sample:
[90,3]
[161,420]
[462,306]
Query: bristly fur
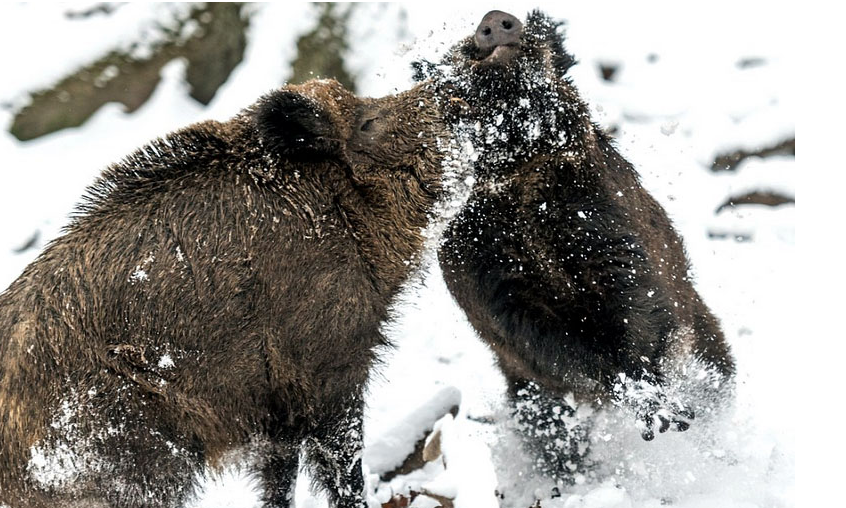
[550,33]
[563,262]
[220,288]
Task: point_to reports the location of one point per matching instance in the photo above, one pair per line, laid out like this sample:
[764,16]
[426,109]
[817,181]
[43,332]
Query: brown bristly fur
[220,288]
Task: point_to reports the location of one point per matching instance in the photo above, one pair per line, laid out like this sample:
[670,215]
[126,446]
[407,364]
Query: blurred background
[89,82]
[700,97]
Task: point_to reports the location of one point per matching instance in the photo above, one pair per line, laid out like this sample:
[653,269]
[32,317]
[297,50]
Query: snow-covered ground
[679,99]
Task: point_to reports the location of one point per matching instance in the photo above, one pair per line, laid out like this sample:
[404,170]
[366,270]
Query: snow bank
[393,446]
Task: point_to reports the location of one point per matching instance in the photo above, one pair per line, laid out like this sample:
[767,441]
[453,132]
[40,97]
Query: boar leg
[279,472]
[551,430]
[334,456]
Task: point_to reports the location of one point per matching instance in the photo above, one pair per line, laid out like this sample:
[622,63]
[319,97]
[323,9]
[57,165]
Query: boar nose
[498,29]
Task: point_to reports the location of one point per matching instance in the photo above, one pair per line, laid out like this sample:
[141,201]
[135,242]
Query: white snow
[67,454]
[392,447]
[674,114]
[166,362]
[131,27]
[139,275]
[55,465]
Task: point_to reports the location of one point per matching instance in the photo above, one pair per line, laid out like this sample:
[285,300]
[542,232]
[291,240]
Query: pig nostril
[496,29]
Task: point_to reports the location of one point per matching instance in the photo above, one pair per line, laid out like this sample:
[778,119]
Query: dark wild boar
[565,265]
[221,289]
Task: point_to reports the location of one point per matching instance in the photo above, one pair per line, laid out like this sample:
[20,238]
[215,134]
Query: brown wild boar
[565,265]
[220,289]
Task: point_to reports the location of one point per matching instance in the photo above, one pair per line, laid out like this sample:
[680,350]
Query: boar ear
[291,125]
[552,32]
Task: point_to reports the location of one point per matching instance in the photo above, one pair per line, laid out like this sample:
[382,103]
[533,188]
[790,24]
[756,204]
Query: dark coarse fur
[221,289]
[565,265]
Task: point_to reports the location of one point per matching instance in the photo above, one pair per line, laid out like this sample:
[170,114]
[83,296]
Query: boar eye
[367,125]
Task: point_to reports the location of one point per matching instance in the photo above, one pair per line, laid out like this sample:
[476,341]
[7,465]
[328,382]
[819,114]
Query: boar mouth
[499,54]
